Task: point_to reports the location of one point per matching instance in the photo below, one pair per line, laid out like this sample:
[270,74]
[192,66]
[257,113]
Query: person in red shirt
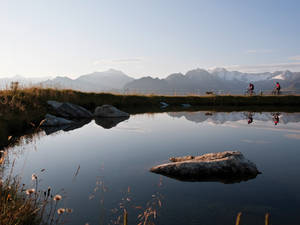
[277,88]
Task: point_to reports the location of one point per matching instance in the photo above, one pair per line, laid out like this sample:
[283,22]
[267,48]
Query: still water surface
[111,162]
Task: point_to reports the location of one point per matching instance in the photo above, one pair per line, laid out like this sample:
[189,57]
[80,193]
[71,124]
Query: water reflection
[250,117]
[275,118]
[223,117]
[106,123]
[220,179]
[126,156]
[68,127]
[109,123]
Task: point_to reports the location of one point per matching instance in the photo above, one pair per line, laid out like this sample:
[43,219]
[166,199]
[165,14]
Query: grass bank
[34,100]
[22,109]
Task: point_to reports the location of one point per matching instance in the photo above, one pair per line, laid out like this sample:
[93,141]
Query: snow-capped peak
[286,75]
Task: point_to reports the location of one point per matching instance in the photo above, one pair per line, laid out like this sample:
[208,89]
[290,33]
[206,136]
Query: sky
[147,37]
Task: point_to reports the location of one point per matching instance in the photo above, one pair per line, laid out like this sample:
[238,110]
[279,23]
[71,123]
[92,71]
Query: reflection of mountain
[222,117]
[108,123]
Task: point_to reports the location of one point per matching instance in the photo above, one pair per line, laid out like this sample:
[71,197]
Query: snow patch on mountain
[239,76]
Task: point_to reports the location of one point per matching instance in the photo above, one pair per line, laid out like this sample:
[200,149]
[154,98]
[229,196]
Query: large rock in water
[69,110]
[51,121]
[225,167]
[109,111]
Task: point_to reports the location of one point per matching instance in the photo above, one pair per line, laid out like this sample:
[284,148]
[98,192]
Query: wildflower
[34,177]
[68,210]
[57,197]
[9,197]
[30,191]
[61,211]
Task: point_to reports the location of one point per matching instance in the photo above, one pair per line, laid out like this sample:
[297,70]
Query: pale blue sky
[147,37]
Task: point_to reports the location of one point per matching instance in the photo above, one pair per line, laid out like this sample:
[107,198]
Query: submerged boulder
[52,121]
[225,167]
[109,111]
[69,110]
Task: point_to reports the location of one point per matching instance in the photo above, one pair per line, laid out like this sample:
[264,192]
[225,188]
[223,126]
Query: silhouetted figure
[250,89]
[276,118]
[250,118]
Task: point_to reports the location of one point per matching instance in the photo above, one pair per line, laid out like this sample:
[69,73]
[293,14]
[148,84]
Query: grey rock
[109,111]
[69,110]
[225,167]
[51,121]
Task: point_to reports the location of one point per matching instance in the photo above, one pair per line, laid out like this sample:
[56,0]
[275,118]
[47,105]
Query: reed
[267,218]
[238,219]
[28,206]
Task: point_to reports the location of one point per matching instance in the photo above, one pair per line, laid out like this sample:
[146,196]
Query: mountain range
[197,81]
[218,81]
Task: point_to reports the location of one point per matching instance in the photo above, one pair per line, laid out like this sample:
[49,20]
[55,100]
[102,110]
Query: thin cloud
[295,58]
[255,141]
[112,62]
[259,51]
[293,136]
[294,66]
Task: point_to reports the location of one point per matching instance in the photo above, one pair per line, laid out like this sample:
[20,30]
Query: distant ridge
[218,80]
[197,81]
[111,80]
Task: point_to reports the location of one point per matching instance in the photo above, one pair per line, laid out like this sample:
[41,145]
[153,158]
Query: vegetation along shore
[23,109]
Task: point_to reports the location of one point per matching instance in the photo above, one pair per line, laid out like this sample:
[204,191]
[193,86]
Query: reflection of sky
[122,156]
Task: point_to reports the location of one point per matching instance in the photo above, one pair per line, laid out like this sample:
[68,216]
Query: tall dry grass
[21,205]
